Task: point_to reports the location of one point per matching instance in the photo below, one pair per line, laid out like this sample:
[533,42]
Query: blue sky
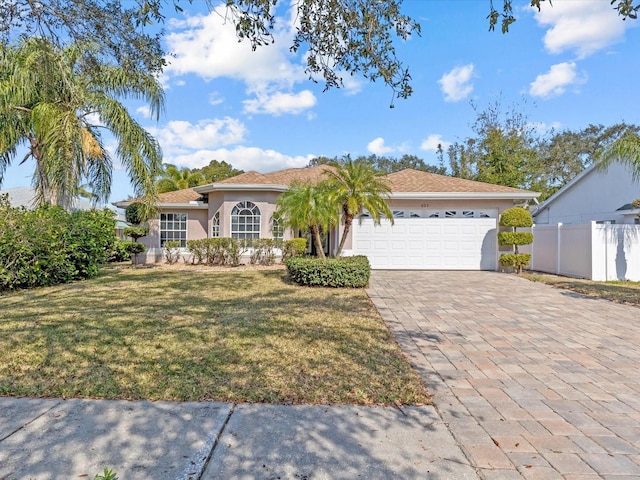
[572,64]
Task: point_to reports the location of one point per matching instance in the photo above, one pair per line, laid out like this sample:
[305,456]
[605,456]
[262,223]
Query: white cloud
[144,111]
[181,137]
[456,85]
[432,141]
[377,147]
[207,46]
[581,27]
[278,103]
[195,145]
[215,98]
[244,158]
[556,80]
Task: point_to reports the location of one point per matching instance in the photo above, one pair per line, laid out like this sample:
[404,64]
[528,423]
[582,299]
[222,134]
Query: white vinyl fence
[595,251]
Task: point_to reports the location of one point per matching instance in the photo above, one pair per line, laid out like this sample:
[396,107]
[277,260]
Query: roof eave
[192,205]
[221,187]
[564,189]
[465,195]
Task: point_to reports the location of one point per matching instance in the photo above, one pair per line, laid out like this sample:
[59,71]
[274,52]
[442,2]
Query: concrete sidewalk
[70,439]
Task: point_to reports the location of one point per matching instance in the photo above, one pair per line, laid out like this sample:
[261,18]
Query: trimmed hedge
[515,238]
[516,217]
[351,272]
[228,251]
[48,246]
[296,247]
[517,261]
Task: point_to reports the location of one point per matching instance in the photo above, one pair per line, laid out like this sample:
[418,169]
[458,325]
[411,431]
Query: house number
[423,205]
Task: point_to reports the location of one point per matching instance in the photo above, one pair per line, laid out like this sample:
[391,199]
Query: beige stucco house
[440,222]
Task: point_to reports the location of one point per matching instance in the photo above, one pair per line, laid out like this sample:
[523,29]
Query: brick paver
[533,381]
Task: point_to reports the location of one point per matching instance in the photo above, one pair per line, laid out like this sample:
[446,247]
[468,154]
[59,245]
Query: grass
[616,291]
[241,336]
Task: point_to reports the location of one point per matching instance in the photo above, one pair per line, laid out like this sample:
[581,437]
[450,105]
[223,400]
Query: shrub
[351,272]
[515,238]
[263,250]
[513,218]
[119,252]
[197,249]
[516,217]
[172,251]
[134,213]
[517,261]
[294,248]
[48,246]
[136,232]
[134,249]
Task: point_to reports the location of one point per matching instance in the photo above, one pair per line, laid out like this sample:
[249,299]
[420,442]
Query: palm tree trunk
[315,233]
[348,221]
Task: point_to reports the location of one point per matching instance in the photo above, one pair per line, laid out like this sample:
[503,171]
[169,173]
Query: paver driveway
[534,382]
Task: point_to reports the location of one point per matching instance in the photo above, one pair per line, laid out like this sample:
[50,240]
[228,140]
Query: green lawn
[201,335]
[620,292]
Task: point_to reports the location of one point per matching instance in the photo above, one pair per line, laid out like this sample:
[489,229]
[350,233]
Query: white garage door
[428,243]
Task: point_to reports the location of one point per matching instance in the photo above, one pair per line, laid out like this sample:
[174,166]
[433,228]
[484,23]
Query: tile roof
[405,181]
[179,196]
[410,180]
[280,177]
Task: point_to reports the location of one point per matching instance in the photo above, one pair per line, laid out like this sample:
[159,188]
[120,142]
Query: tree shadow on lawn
[243,336]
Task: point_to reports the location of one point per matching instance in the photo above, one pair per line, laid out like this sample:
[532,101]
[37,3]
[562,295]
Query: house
[589,228]
[25,197]
[440,222]
[593,195]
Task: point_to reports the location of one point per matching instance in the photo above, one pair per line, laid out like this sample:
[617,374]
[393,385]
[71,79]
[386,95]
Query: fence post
[607,227]
[533,251]
[558,253]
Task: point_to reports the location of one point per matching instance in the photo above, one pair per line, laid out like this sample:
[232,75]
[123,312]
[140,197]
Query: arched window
[277,229]
[245,221]
[215,225]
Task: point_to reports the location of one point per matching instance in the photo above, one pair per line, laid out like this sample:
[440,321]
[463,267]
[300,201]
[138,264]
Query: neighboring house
[25,197]
[440,222]
[593,195]
[589,229]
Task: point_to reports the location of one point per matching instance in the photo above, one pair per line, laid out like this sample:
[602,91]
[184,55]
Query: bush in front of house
[171,251]
[263,250]
[48,246]
[515,217]
[119,251]
[228,251]
[351,272]
[296,247]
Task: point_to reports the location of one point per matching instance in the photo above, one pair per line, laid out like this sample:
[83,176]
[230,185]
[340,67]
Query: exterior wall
[225,201]
[595,251]
[196,229]
[595,197]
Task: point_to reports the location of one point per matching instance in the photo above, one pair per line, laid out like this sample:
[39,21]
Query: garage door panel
[428,243]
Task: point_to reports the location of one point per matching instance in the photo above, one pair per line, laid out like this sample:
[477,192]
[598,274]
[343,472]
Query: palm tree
[56,101]
[307,206]
[174,178]
[354,186]
[625,149]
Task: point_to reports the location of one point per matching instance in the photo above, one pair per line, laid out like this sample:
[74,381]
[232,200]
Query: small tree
[513,218]
[135,214]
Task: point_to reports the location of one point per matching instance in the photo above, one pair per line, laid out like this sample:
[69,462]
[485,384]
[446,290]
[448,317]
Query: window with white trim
[245,221]
[277,229]
[215,225]
[173,226]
